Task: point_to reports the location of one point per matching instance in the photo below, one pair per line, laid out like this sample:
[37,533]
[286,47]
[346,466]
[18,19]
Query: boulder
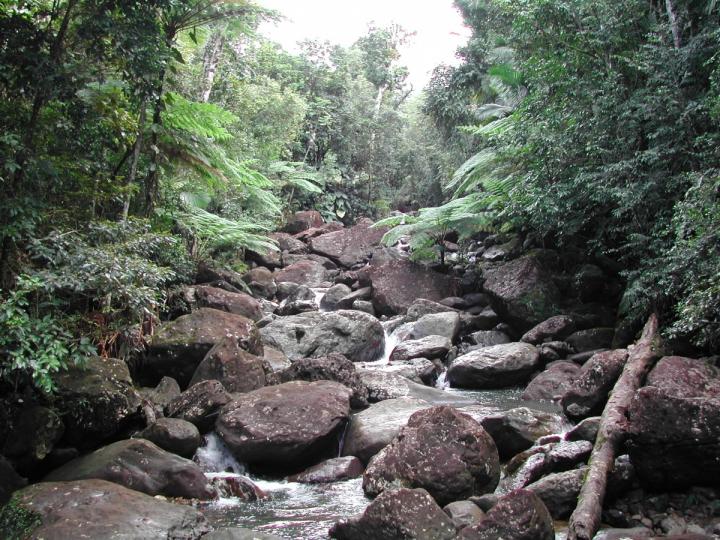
[517,429]
[287,424]
[494,367]
[235,368]
[522,291]
[95,402]
[592,339]
[304,220]
[165,391]
[418,370]
[140,465]
[441,450]
[586,430]
[365,306]
[35,432]
[334,295]
[383,385]
[239,533]
[173,435]
[559,491]
[306,272]
[426,347]
[101,509]
[445,324]
[200,404]
[519,515]
[290,259]
[374,428]
[488,338]
[358,336]
[464,513]
[10,481]
[333,367]
[288,243]
[178,346]
[674,422]
[331,470]
[402,514]
[275,360]
[261,282]
[555,328]
[553,383]
[349,246]
[347,301]
[592,385]
[219,277]
[422,306]
[236,303]
[397,284]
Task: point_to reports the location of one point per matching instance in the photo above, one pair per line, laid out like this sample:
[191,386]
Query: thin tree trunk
[213,52]
[135,158]
[674,22]
[585,520]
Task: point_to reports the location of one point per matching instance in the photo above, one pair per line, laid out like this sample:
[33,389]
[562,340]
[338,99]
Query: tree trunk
[585,520]
[674,22]
[211,59]
[135,158]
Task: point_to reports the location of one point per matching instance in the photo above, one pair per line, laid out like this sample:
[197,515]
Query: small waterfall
[319,293]
[215,457]
[442,382]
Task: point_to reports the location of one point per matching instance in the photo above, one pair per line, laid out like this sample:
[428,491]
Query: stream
[301,511]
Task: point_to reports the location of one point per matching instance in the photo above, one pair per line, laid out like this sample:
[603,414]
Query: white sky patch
[439,27]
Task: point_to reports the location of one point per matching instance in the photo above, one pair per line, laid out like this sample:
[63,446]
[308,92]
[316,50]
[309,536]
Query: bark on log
[585,520]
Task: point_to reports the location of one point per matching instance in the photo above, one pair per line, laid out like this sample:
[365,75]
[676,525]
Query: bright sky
[439,26]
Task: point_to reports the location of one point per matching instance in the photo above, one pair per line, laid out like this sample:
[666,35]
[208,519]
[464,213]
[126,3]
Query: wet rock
[396,285]
[374,428]
[238,486]
[519,515]
[102,509]
[418,370]
[586,430]
[624,534]
[480,319]
[674,423]
[276,360]
[402,514]
[236,303]
[290,259]
[238,533]
[347,301]
[331,470]
[165,391]
[555,350]
[333,367]
[589,392]
[464,513]
[306,272]
[303,220]
[427,347]
[553,329]
[442,450]
[349,246]
[173,435]
[261,282]
[517,429]
[445,324]
[288,243]
[179,346]
[494,367]
[36,431]
[358,336]
[287,424]
[421,307]
[485,502]
[592,339]
[200,404]
[286,289]
[522,291]
[236,369]
[488,338]
[10,481]
[559,491]
[95,402]
[332,298]
[553,383]
[384,385]
[140,465]
[454,302]
[364,306]
[300,300]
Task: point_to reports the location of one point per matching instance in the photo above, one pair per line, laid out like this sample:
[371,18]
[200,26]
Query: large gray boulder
[304,220]
[444,451]
[425,347]
[236,303]
[332,298]
[330,470]
[402,514]
[356,335]
[97,509]
[494,367]
[553,383]
[587,394]
[553,329]
[178,346]
[522,291]
[517,429]
[140,465]
[374,428]
[199,404]
[350,246]
[397,284]
[174,435]
[286,425]
[382,385]
[437,324]
[306,272]
[95,402]
[235,368]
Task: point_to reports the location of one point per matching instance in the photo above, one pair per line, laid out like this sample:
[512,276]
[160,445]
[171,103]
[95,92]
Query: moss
[16,521]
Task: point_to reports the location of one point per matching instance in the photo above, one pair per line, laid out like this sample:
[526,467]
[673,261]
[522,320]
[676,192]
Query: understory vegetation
[139,139]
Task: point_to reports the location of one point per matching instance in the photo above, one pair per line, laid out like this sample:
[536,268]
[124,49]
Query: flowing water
[307,511]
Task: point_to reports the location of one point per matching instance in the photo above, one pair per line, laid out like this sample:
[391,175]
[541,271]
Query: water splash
[215,457]
[319,294]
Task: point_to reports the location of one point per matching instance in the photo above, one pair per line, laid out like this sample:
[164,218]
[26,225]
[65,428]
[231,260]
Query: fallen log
[585,520]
